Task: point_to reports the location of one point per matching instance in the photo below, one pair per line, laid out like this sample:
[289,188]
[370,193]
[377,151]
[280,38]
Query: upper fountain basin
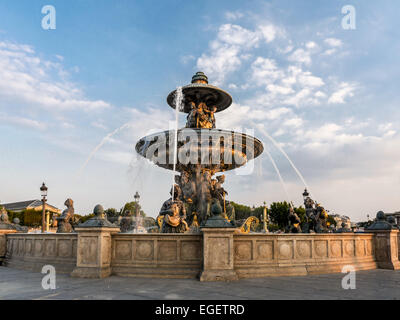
[207,93]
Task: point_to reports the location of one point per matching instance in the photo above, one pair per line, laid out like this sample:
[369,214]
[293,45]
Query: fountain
[197,152]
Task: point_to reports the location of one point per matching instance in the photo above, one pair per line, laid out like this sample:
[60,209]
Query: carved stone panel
[50,247]
[243,250]
[303,249]
[348,246]
[381,249]
[360,248]
[106,250]
[167,251]
[21,247]
[265,250]
[39,247]
[285,249]
[368,247]
[336,248]
[321,248]
[28,247]
[64,248]
[219,253]
[123,249]
[88,250]
[144,250]
[191,250]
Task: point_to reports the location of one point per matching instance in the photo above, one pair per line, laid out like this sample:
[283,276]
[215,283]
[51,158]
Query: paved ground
[374,284]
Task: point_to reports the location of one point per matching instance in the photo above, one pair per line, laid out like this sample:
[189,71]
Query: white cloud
[233,15]
[343,91]
[22,121]
[34,82]
[230,49]
[300,56]
[333,42]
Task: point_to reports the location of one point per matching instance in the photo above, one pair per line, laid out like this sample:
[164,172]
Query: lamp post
[137,197]
[43,191]
[305,194]
[265,218]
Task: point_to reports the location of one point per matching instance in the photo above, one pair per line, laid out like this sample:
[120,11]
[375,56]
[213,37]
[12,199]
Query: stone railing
[33,251]
[157,255]
[301,254]
[216,254]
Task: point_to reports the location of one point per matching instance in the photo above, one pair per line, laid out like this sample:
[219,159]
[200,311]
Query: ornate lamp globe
[43,190]
[136,196]
[305,194]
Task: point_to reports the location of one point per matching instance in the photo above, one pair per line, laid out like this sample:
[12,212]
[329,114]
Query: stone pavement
[373,284]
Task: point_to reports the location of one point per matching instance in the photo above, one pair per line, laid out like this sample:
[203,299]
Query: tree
[131,206]
[279,214]
[111,212]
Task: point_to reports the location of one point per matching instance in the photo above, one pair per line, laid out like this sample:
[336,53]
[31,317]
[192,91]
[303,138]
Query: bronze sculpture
[64,224]
[211,151]
[294,221]
[316,215]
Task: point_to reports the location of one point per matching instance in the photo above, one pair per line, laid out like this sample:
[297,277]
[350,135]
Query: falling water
[178,105]
[285,155]
[103,141]
[278,173]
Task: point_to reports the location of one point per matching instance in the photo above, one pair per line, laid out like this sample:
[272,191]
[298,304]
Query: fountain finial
[200,77]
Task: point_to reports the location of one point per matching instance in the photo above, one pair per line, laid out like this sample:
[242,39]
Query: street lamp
[265,218]
[305,194]
[43,191]
[136,196]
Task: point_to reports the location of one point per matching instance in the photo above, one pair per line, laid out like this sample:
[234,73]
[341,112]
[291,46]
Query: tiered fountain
[197,152]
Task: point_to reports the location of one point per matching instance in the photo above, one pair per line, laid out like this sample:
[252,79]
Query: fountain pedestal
[218,255]
[387,249]
[94,247]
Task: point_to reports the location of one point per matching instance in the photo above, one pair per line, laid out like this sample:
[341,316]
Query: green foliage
[131,206]
[86,218]
[12,215]
[32,218]
[278,213]
[243,211]
[272,227]
[111,212]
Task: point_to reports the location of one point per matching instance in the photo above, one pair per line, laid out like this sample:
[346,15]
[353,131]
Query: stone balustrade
[212,255]
[301,254]
[157,255]
[32,251]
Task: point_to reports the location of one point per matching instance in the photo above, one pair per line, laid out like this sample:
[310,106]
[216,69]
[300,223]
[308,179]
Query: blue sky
[329,96]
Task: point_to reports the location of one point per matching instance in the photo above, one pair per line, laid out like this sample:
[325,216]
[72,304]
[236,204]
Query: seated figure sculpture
[64,221]
[173,221]
[201,116]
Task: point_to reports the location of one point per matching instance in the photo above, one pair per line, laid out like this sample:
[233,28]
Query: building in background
[36,205]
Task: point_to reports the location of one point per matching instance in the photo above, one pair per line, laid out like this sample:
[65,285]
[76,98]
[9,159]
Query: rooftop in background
[29,204]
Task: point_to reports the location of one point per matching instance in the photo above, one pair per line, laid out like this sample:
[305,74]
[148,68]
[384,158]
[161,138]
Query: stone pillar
[218,255]
[387,249]
[94,247]
[3,247]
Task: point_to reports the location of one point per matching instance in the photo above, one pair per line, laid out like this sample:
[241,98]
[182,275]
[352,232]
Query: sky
[327,95]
